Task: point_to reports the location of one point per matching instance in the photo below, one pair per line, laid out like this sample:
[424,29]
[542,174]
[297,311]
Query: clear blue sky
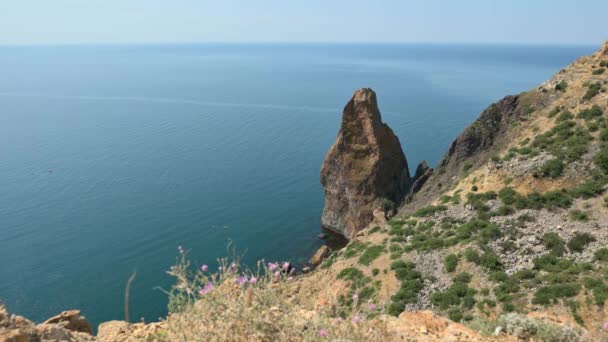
[452,21]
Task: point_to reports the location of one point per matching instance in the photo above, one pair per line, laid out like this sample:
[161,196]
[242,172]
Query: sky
[181,21]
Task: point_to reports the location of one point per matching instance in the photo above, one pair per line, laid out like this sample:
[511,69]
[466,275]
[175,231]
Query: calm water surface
[112,156]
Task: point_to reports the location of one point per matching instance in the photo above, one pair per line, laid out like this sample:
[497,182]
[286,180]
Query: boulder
[319,256]
[365,169]
[71,320]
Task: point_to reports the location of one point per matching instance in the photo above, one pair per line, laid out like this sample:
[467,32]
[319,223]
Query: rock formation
[67,326]
[365,169]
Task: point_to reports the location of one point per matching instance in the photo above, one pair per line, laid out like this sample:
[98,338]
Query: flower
[206,289]
[323,332]
[272,266]
[290,278]
[253,280]
[204,268]
[286,265]
[241,280]
[371,307]
[277,274]
[606,326]
[356,319]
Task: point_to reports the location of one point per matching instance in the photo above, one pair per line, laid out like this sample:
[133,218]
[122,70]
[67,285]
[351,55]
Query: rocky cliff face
[475,145]
[364,170]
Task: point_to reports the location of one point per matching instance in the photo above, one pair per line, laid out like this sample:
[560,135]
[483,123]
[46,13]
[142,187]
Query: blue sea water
[113,156]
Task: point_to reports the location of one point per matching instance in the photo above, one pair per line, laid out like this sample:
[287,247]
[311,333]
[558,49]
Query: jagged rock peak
[365,169]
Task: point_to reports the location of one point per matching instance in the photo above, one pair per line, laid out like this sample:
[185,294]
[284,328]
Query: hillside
[506,240]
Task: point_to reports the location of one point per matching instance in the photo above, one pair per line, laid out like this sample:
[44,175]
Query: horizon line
[143,43]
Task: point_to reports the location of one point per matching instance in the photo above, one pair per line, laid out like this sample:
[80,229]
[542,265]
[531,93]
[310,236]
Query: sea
[113,156]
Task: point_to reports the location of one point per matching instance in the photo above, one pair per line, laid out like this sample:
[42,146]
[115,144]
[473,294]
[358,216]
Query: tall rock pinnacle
[365,169]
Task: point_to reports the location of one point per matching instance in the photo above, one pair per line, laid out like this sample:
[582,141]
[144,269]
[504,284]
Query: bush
[467,166]
[598,71]
[471,255]
[592,90]
[590,188]
[554,243]
[579,241]
[490,261]
[430,210]
[411,284]
[590,113]
[561,86]
[601,254]
[552,293]
[508,195]
[578,215]
[601,159]
[451,261]
[370,254]
[564,116]
[551,168]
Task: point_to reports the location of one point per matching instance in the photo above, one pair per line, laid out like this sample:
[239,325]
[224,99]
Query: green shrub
[411,284]
[564,116]
[590,188]
[601,159]
[370,254]
[474,188]
[504,210]
[592,90]
[590,113]
[462,277]
[471,255]
[604,135]
[552,293]
[508,195]
[456,295]
[554,243]
[601,254]
[451,261]
[578,215]
[579,241]
[467,166]
[598,71]
[354,248]
[561,86]
[430,210]
[490,261]
[554,112]
[551,168]
[350,273]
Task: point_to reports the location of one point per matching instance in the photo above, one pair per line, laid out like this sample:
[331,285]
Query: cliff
[505,241]
[364,170]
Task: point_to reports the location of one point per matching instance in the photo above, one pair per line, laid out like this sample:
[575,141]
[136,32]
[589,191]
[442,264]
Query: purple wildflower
[371,307]
[356,319]
[286,265]
[253,280]
[323,332]
[272,266]
[606,326]
[204,268]
[241,280]
[206,289]
[277,274]
[290,278]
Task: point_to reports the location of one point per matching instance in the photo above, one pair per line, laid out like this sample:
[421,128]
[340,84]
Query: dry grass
[265,309]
